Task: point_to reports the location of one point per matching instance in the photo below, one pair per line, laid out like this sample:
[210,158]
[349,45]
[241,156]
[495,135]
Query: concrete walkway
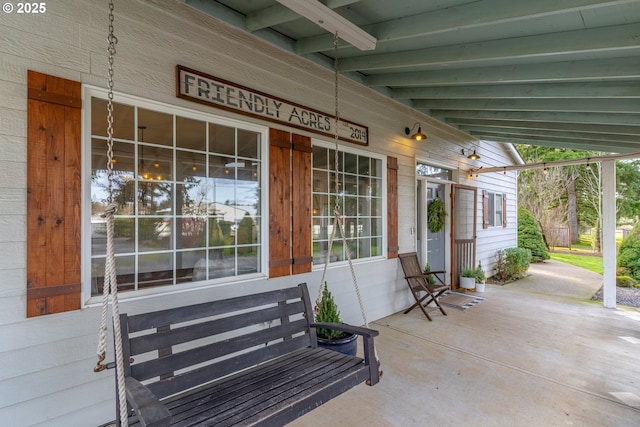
[534,353]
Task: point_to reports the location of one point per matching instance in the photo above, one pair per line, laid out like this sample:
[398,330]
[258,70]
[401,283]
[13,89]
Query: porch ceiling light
[331,21]
[418,136]
[472,156]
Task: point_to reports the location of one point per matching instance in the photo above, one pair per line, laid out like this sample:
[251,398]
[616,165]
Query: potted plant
[481,278]
[468,278]
[429,277]
[327,311]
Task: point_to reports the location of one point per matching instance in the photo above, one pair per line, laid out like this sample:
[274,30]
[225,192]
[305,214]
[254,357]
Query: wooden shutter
[301,205]
[504,210]
[279,203]
[53,194]
[485,209]
[392,207]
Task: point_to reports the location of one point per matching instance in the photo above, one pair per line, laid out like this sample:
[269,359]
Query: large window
[188,190]
[359,197]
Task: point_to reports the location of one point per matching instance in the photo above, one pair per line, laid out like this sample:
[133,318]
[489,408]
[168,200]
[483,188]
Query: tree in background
[571,196]
[530,237]
[628,188]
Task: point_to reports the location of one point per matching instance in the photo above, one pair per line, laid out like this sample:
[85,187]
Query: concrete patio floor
[534,353]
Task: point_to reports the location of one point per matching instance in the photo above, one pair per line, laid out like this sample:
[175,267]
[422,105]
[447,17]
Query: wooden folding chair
[418,283]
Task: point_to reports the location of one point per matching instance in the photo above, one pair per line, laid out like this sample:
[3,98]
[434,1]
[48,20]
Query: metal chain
[336,117]
[338,222]
[112,41]
[336,161]
[110,286]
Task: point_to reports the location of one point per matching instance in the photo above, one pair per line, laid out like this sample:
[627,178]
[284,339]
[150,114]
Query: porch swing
[213,363]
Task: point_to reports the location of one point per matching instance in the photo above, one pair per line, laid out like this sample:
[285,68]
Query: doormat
[460,301]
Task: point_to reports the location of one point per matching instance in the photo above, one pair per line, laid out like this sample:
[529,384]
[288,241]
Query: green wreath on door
[436,215]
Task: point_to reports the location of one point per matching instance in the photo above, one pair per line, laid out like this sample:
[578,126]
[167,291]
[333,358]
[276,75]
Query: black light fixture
[472,156]
[418,136]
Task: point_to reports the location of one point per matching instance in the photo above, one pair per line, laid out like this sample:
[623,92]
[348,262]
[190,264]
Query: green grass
[590,262]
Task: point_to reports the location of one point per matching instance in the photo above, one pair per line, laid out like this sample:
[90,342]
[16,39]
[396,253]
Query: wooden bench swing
[248,360]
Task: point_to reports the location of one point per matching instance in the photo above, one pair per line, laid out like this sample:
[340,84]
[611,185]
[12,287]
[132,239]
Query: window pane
[190,266]
[248,144]
[123,124]
[190,166]
[222,263]
[321,181]
[154,198]
[155,163]
[155,270]
[376,187]
[125,274]
[222,139]
[154,234]
[320,158]
[350,163]
[155,127]
[191,134]
[123,185]
[193,233]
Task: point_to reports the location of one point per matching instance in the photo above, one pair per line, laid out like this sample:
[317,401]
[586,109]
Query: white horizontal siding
[47,376]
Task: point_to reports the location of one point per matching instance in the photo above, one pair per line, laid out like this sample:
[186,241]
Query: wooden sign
[205,89]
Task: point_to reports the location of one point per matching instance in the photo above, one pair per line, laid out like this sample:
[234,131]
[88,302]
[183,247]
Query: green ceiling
[562,73]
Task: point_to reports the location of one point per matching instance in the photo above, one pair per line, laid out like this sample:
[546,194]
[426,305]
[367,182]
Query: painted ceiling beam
[580,145]
[528,91]
[621,40]
[279,14]
[556,135]
[569,71]
[550,126]
[541,116]
[610,146]
[555,163]
[471,15]
[611,105]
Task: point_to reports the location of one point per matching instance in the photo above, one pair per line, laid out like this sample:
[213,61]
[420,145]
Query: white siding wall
[492,239]
[46,376]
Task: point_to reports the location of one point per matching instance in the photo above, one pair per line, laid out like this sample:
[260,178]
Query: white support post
[609,232]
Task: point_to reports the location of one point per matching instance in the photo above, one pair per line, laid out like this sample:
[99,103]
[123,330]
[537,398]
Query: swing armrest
[151,412]
[350,329]
[368,349]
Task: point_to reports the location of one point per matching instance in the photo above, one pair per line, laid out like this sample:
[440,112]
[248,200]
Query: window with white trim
[360,198]
[189,192]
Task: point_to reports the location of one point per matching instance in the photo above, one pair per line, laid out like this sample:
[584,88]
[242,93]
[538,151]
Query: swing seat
[250,360]
[422,291]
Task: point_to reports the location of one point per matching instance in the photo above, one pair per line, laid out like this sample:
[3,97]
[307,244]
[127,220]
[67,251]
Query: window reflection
[188,195]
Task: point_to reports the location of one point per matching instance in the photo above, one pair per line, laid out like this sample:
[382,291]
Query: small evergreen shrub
[327,311]
[629,253]
[530,236]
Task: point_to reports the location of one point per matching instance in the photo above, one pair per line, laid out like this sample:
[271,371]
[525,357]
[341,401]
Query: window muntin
[360,197]
[174,172]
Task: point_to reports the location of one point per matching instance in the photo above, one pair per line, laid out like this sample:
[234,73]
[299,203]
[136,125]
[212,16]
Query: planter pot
[479,287]
[347,345]
[467,282]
